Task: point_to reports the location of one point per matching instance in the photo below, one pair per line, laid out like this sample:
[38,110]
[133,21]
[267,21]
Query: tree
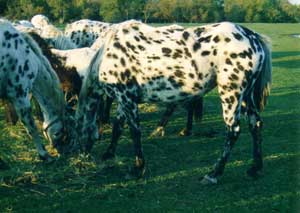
[3,7]
[61,10]
[165,10]
[109,11]
[24,9]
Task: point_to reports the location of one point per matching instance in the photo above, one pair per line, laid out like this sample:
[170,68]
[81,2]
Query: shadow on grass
[276,55]
[175,166]
[293,64]
[282,59]
[169,191]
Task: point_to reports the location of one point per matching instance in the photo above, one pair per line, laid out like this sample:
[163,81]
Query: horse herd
[92,63]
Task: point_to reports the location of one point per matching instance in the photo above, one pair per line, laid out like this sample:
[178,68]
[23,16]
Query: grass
[175,164]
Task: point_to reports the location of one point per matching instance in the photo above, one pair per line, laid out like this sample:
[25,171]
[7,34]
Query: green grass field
[175,164]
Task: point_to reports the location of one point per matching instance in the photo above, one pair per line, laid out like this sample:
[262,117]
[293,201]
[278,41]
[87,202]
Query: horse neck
[47,91]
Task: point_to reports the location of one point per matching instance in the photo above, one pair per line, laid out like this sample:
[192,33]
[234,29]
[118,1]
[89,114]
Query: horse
[39,21]
[194,107]
[139,63]
[24,70]
[53,39]
[52,34]
[84,32]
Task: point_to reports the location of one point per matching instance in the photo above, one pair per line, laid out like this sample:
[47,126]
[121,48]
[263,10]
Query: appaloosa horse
[139,63]
[24,70]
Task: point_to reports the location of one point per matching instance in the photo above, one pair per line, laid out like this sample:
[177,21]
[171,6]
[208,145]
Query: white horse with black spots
[83,33]
[52,34]
[24,70]
[139,63]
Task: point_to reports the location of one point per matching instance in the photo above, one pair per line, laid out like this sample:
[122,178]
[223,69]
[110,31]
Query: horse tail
[262,85]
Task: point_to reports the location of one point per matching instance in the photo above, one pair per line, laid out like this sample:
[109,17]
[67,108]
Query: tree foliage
[62,11]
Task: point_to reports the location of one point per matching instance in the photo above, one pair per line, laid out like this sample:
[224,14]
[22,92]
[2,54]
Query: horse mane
[45,67]
[63,43]
[69,77]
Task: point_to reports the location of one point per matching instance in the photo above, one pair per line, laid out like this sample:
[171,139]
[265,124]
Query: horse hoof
[158,132]
[206,180]
[47,158]
[184,132]
[107,156]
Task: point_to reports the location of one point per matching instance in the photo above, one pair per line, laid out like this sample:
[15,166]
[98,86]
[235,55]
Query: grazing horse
[24,69]
[55,40]
[52,34]
[194,107]
[139,63]
[39,21]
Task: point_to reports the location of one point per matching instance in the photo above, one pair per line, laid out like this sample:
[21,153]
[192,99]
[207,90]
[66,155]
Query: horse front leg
[116,133]
[25,114]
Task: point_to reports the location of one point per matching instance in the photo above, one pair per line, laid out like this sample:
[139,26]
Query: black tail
[263,83]
[259,93]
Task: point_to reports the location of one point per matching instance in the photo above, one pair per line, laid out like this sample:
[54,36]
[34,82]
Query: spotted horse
[194,107]
[83,33]
[24,70]
[48,31]
[139,63]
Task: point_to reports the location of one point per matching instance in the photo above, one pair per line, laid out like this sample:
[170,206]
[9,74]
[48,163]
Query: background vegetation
[62,11]
[175,164]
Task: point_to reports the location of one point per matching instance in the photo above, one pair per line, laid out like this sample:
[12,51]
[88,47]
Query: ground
[175,164]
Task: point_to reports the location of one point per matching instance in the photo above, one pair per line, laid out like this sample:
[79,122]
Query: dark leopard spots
[216,39]
[196,46]
[205,53]
[238,36]
[228,61]
[186,35]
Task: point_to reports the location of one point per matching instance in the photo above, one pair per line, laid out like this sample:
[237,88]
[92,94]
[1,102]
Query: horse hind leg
[107,109]
[134,126]
[231,104]
[160,129]
[255,127]
[187,131]
[194,110]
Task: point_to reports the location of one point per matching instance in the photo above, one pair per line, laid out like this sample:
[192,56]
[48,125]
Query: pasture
[175,164]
